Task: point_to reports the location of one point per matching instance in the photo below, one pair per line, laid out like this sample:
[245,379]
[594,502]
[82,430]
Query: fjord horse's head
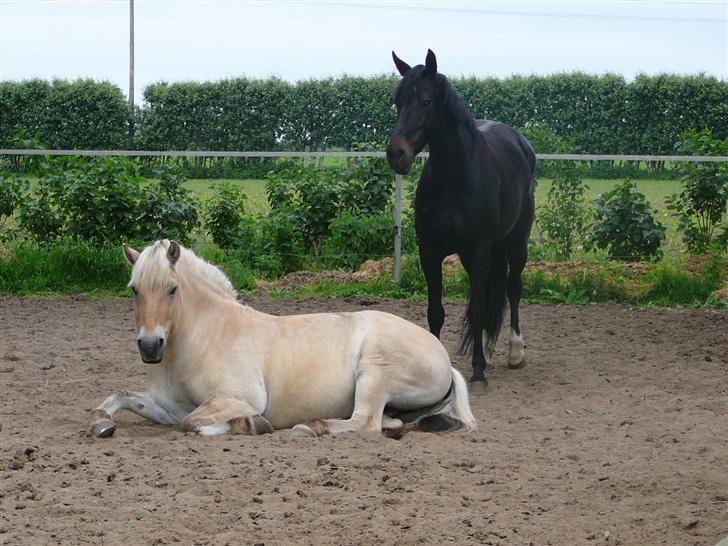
[417,98]
[156,303]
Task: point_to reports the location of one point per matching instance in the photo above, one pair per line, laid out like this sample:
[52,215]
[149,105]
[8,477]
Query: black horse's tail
[487,313]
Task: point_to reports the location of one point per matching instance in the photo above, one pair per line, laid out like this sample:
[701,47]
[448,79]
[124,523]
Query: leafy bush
[169,210]
[367,184]
[312,197]
[355,238]
[105,200]
[279,247]
[270,244]
[625,224]
[224,215]
[11,195]
[563,219]
[701,205]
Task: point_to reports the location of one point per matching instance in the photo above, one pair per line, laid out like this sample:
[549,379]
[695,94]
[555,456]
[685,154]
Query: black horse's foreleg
[432,268]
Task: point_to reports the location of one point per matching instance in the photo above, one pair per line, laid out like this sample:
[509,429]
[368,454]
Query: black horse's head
[416,98]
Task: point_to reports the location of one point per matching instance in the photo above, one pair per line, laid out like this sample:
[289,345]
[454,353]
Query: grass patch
[670,285]
[253,188]
[664,284]
[68,267]
[63,267]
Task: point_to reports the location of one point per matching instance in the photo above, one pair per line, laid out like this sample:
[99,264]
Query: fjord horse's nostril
[161,341]
[139,343]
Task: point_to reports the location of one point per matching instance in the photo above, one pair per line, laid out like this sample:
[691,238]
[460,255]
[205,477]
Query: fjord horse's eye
[133,289]
[172,290]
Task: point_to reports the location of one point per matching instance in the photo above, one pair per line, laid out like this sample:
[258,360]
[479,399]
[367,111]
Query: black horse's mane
[451,102]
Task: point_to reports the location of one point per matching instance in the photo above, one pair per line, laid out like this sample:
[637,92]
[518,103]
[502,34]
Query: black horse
[475,198]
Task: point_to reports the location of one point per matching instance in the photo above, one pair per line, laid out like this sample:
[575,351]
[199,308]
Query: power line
[409,6]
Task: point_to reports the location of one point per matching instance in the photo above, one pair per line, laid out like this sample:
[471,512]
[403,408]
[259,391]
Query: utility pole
[131,56]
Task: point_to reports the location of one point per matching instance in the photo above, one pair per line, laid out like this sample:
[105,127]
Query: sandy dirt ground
[616,432]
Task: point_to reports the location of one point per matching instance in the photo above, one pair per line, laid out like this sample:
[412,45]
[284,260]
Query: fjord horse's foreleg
[370,397]
[225,413]
[432,268]
[102,424]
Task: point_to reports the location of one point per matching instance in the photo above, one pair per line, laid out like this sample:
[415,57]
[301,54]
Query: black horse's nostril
[161,341]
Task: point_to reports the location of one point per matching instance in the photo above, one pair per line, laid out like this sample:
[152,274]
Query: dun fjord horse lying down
[221,367]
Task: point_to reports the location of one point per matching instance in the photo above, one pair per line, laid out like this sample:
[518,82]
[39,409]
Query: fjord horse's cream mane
[153,269]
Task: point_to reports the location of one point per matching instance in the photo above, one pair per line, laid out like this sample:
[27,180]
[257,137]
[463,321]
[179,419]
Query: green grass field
[656,192]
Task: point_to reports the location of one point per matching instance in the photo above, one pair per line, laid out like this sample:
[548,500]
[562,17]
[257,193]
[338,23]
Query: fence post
[397,227]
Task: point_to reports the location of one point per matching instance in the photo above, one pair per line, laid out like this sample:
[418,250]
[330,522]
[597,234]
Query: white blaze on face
[515,348]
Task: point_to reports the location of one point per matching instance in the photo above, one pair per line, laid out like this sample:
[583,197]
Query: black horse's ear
[402,66]
[431,62]
[130,254]
[173,252]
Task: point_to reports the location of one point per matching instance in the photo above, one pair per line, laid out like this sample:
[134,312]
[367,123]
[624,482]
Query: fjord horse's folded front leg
[102,424]
[225,413]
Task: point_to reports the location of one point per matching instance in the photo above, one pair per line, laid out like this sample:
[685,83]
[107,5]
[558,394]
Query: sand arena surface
[616,432]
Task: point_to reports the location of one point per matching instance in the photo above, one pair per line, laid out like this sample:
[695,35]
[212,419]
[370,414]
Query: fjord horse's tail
[486,313]
[449,414]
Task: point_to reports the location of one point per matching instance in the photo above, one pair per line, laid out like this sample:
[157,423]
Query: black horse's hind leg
[477,265]
[432,268]
[516,263]
[517,253]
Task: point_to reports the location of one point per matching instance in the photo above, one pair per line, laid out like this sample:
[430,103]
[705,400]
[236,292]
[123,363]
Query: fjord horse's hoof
[477,386]
[303,431]
[103,428]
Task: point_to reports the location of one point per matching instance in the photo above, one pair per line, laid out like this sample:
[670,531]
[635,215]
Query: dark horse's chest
[447,222]
[453,221]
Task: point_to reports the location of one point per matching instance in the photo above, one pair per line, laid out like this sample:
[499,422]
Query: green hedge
[82,114]
[598,114]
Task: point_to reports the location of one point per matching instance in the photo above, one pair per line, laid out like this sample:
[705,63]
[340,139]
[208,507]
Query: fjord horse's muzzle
[399,155]
[151,347]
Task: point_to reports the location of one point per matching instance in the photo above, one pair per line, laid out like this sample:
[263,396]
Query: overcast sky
[203,40]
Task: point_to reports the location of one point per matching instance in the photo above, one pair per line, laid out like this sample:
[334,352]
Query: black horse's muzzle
[399,155]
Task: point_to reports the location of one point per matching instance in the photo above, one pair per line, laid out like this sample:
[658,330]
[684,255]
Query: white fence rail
[203,153]
[398,178]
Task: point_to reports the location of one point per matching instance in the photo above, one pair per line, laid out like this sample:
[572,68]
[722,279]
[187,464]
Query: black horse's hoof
[477,386]
[103,428]
[517,365]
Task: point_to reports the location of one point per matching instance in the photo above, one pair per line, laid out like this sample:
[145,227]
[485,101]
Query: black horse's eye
[426,102]
[172,290]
